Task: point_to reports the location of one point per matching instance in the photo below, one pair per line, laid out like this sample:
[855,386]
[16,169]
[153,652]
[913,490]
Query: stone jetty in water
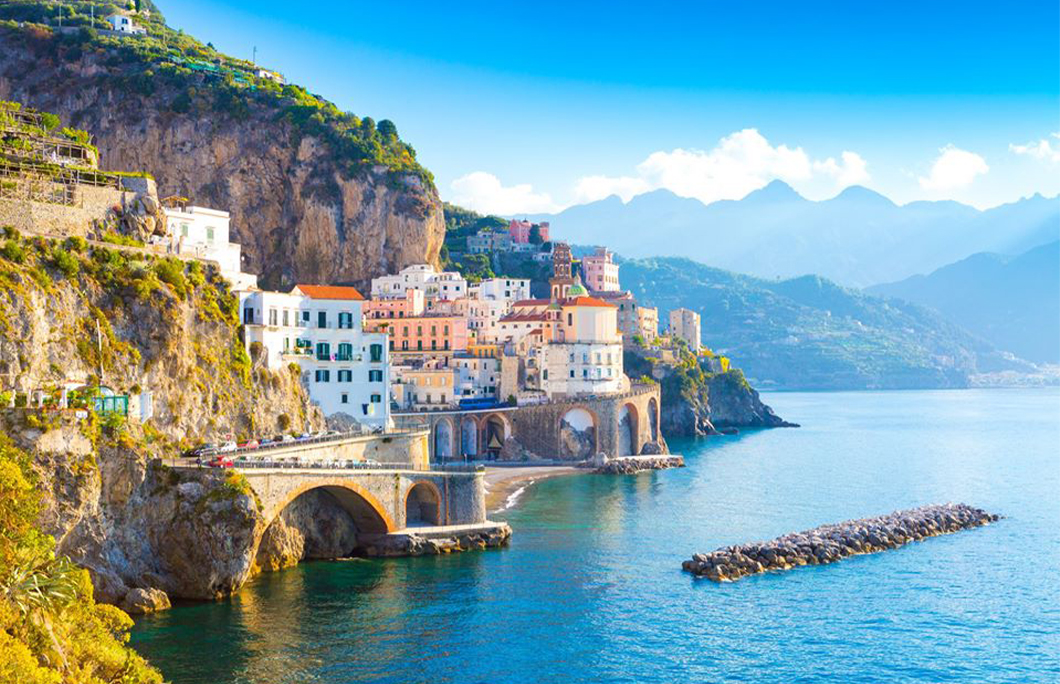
[627,465]
[829,543]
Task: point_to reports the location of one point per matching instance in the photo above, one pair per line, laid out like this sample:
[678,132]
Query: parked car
[304,436]
[227,448]
[266,441]
[200,451]
[220,462]
[287,438]
[249,444]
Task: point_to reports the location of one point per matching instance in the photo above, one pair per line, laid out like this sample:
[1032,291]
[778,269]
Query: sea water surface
[591,589]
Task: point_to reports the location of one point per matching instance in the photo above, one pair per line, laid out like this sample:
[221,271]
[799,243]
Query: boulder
[143,601]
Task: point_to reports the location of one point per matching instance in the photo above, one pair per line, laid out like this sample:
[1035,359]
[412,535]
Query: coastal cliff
[698,400]
[314,194]
[167,337]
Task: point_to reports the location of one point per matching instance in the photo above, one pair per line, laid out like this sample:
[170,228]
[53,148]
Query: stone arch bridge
[573,429]
[380,501]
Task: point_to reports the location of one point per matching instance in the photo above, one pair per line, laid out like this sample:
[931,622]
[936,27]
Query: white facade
[477,377]
[124,24]
[502,289]
[320,328]
[204,233]
[582,368]
[685,325]
[434,285]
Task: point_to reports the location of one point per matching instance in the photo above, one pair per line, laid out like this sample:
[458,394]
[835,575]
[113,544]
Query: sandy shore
[505,485]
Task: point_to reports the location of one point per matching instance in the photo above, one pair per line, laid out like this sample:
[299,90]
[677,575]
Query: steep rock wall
[296,215]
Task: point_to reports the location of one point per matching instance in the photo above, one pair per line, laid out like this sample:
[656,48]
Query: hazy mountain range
[1013,302]
[810,333]
[858,238]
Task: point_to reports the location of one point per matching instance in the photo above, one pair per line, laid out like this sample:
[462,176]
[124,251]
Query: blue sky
[533,106]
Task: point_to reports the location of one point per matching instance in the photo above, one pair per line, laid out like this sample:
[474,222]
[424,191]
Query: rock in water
[829,543]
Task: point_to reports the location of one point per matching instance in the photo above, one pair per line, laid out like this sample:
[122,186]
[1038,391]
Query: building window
[419,345]
[376,352]
[572,372]
[345,376]
[286,318]
[585,372]
[346,320]
[345,352]
[184,229]
[375,376]
[544,374]
[322,319]
[345,398]
[323,351]
[305,318]
[323,375]
[209,233]
[570,319]
[248,315]
[377,398]
[434,345]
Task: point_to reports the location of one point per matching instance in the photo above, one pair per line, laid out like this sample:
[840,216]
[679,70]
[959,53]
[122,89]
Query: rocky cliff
[167,330]
[304,206]
[698,401]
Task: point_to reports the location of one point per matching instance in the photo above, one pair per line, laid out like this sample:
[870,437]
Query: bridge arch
[423,504]
[578,433]
[367,512]
[653,419]
[443,439]
[628,430]
[494,430]
[469,436]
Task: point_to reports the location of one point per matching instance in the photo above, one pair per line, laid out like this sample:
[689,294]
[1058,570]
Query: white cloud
[740,163]
[852,170]
[592,188]
[484,193]
[1043,149]
[953,168]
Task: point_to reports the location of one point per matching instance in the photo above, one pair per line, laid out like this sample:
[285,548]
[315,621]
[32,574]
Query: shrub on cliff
[51,628]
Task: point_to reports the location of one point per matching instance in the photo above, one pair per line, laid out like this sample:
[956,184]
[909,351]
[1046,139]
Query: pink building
[425,333]
[601,272]
[520,231]
[410,305]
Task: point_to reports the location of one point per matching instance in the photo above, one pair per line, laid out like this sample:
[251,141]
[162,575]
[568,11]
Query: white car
[227,448]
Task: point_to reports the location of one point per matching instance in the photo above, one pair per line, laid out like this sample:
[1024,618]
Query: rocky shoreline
[830,543]
[627,465]
[410,543]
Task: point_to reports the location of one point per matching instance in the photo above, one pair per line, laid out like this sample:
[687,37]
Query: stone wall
[404,448]
[92,205]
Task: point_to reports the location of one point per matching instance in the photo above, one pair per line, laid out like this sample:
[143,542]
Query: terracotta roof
[330,292]
[531,302]
[587,301]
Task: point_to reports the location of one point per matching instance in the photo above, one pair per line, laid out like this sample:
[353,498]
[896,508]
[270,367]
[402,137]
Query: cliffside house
[685,325]
[434,285]
[600,271]
[124,24]
[320,327]
[520,231]
[204,233]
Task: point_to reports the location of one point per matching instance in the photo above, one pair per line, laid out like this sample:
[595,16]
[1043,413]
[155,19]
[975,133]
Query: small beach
[505,484]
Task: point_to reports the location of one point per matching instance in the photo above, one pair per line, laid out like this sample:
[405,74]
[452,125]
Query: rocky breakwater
[830,543]
[627,465]
[434,541]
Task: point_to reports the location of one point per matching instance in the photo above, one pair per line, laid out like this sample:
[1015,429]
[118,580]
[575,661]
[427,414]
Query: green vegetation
[810,333]
[206,81]
[51,628]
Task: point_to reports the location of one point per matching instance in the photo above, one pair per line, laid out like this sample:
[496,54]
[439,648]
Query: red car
[220,462]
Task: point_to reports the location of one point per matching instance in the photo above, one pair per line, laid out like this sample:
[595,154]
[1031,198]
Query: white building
[685,325]
[124,24]
[319,327]
[501,289]
[585,354]
[434,285]
[477,377]
[204,233]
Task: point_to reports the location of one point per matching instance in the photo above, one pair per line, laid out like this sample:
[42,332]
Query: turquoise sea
[591,589]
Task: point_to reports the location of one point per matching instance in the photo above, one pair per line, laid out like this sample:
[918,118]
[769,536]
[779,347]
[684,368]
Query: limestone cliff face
[296,213]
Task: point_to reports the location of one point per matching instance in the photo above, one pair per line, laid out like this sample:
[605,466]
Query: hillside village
[423,341]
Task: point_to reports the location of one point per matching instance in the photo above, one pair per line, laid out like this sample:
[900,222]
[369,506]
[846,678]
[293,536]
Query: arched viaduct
[574,430]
